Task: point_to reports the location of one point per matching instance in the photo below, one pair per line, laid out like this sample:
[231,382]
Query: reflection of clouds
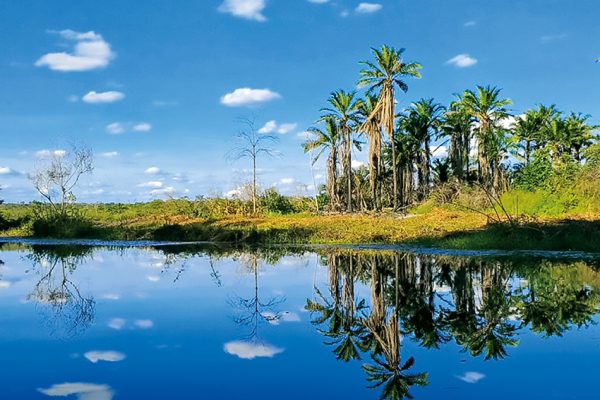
[110,296]
[4,284]
[83,391]
[116,323]
[471,377]
[285,316]
[144,323]
[251,350]
[108,356]
[442,288]
[153,278]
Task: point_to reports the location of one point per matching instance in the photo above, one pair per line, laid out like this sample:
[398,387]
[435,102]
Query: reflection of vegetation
[480,304]
[255,310]
[70,310]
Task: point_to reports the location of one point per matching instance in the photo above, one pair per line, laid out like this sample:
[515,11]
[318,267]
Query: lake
[113,321]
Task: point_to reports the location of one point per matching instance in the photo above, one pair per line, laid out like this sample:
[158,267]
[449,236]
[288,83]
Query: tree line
[486,145]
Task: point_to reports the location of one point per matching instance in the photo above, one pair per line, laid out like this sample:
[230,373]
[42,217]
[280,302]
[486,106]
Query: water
[202,322]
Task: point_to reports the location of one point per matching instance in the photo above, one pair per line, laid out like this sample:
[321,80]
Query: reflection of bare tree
[71,311]
[254,310]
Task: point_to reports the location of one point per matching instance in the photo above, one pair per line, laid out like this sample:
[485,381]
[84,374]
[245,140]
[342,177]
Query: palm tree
[531,129]
[423,119]
[485,105]
[457,126]
[329,139]
[579,134]
[344,109]
[372,129]
[385,75]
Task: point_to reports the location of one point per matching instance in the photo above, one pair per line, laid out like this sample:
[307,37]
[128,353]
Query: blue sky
[155,88]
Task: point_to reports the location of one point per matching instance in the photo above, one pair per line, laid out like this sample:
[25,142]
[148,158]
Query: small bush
[275,203]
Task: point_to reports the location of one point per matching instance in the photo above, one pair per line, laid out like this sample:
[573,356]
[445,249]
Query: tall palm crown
[385,75]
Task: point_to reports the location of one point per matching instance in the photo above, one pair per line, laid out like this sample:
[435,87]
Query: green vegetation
[466,175]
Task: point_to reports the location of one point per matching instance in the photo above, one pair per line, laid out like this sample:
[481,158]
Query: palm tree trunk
[394,178]
[349,171]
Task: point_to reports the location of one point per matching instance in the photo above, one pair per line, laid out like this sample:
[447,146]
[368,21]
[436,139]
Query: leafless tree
[252,144]
[59,173]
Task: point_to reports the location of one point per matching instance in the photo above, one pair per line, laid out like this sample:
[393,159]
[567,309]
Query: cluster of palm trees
[403,165]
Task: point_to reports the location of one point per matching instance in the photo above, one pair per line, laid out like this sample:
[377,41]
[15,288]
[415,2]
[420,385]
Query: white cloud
[247,97]
[247,9]
[153,278]
[462,61]
[83,391]
[286,128]
[553,38]
[110,296]
[50,153]
[90,52]
[108,356]
[5,171]
[273,126]
[269,127]
[144,323]
[167,191]
[116,323]
[287,181]
[357,164]
[368,8]
[142,127]
[233,193]
[152,171]
[345,13]
[471,377]
[151,184]
[251,350]
[285,316]
[109,154]
[305,135]
[111,96]
[115,128]
[4,284]
[469,24]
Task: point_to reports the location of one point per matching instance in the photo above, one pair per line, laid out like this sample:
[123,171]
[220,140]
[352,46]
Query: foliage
[275,203]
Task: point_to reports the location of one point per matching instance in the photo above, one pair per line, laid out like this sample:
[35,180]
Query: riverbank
[441,228]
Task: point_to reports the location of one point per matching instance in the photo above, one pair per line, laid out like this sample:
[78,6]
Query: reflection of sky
[176,338]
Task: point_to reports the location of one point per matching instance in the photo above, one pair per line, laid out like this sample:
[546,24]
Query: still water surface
[173,322]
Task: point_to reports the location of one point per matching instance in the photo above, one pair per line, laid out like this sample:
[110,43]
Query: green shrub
[275,203]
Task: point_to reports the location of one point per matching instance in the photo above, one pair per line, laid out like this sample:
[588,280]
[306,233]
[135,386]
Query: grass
[432,227]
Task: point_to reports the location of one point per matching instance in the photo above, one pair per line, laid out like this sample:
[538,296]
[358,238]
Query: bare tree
[59,173]
[251,144]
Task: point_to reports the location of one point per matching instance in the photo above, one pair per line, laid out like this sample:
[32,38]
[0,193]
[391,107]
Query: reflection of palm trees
[341,311]
[389,372]
[478,308]
[418,310]
[375,331]
[69,307]
[553,299]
